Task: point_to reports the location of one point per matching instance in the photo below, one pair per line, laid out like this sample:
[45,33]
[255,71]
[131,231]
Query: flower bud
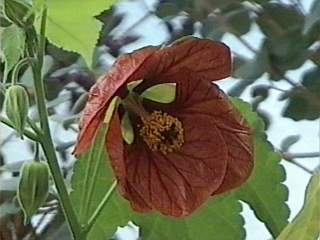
[19,12]
[33,187]
[16,106]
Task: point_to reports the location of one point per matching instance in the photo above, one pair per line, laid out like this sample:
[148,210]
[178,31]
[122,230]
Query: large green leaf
[264,192]
[219,219]
[12,41]
[306,224]
[71,24]
[90,182]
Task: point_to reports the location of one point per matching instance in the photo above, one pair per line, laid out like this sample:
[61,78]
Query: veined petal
[115,149]
[177,183]
[208,59]
[124,70]
[206,99]
[216,155]
[196,97]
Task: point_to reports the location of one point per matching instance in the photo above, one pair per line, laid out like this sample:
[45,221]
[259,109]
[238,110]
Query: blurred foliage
[306,224]
[299,107]
[83,42]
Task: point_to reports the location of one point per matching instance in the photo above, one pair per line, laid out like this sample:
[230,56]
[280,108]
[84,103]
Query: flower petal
[197,97]
[177,183]
[115,149]
[208,100]
[208,59]
[101,93]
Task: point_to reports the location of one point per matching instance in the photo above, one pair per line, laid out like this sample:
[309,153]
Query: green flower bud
[16,106]
[19,12]
[33,187]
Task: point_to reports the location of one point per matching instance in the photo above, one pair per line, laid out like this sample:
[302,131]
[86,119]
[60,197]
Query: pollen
[162,132]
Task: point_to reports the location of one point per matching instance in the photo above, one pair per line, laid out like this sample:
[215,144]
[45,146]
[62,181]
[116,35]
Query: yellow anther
[162,132]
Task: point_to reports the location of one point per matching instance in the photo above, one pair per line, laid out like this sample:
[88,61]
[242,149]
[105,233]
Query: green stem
[16,70]
[26,132]
[36,152]
[46,139]
[99,209]
[34,127]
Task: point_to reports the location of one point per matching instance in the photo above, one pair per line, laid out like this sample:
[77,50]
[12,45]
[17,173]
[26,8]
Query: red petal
[195,97]
[101,93]
[208,59]
[177,183]
[216,138]
[210,101]
[115,148]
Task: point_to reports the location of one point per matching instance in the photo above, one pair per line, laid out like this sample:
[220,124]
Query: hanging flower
[183,152]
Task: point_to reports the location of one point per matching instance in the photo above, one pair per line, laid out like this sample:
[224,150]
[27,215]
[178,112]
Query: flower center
[162,132]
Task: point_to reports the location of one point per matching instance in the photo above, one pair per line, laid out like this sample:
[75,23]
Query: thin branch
[291,160]
[26,132]
[7,139]
[278,89]
[34,127]
[247,44]
[302,155]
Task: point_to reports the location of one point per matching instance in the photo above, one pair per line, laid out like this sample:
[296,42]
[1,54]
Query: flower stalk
[46,139]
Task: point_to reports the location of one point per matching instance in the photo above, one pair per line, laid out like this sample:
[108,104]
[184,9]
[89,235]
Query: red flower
[185,151]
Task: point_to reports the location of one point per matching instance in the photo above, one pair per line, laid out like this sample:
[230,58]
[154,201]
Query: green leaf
[264,192]
[300,108]
[167,9]
[313,17]
[218,219]
[71,24]
[19,12]
[276,20]
[306,224]
[163,93]
[12,43]
[234,18]
[90,182]
[237,19]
